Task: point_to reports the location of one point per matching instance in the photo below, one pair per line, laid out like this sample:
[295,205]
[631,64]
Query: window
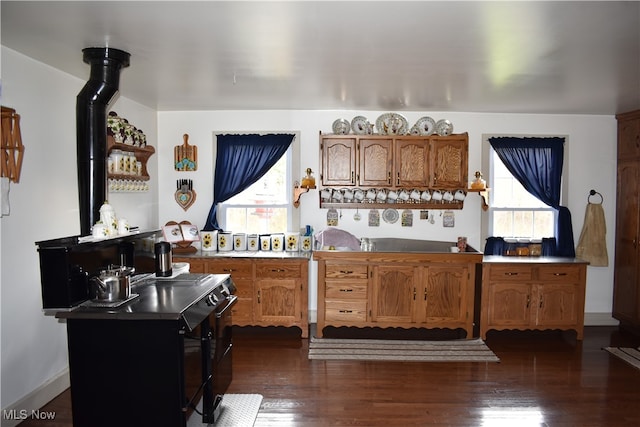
[513,211]
[266,206]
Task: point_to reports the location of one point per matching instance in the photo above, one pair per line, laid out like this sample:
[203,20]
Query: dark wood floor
[543,379]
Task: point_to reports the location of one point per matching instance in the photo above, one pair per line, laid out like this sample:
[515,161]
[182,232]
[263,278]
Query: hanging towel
[592,245]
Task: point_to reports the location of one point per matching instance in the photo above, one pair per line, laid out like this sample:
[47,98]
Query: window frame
[487,216]
[293,219]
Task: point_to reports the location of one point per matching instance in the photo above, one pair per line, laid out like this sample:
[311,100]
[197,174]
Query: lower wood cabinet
[405,290]
[530,293]
[271,292]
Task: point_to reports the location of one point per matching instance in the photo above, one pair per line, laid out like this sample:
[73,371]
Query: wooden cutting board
[185,156]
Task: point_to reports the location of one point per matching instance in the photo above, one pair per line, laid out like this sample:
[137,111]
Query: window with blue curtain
[536,162]
[240,161]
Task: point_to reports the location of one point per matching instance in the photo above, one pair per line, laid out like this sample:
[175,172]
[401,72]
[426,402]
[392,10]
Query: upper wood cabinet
[449,162]
[411,162]
[395,161]
[375,162]
[338,160]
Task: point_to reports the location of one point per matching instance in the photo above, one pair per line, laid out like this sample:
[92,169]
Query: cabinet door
[394,290]
[338,161]
[376,162]
[557,304]
[448,162]
[278,302]
[508,305]
[626,298]
[411,163]
[443,294]
[628,139]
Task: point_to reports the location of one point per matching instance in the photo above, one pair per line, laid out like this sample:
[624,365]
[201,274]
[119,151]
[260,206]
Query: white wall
[44,205]
[590,159]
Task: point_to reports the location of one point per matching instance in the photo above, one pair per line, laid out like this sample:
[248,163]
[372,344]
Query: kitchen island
[400,283]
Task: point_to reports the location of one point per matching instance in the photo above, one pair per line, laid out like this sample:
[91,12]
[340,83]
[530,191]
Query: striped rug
[474,350]
[628,354]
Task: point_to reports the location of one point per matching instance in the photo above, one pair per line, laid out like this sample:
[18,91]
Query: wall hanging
[185,195]
[11,148]
[185,156]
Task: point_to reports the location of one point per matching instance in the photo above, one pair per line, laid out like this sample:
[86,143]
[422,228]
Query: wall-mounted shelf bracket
[484,194]
[299,191]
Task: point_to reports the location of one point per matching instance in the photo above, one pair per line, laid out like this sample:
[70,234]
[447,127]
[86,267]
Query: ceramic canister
[265,242]
[225,241]
[291,241]
[253,242]
[305,243]
[209,240]
[240,242]
[277,242]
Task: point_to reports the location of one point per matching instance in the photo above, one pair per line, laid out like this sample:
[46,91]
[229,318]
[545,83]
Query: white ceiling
[513,57]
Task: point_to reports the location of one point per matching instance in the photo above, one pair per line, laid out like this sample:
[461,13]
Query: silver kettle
[112,284]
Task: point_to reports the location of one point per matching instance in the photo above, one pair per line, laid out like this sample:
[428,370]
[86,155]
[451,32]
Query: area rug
[628,354]
[474,350]
[238,410]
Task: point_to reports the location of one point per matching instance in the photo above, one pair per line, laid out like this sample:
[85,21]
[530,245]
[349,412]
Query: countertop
[159,299]
[245,254]
[497,259]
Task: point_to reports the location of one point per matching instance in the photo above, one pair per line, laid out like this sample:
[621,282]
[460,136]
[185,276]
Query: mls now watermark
[23,414]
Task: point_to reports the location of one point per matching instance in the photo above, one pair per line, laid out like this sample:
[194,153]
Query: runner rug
[473,350]
[628,354]
[237,410]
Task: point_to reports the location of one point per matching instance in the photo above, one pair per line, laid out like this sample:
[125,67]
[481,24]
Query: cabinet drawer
[236,268]
[510,273]
[346,289]
[344,270]
[346,311]
[277,269]
[559,273]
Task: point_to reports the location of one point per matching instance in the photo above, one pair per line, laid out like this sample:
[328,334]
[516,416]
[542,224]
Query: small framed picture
[190,233]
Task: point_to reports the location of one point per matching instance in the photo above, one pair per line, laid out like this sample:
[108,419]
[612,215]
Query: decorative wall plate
[341,127]
[185,195]
[392,124]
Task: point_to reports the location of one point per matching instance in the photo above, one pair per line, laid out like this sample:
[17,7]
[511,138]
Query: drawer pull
[346,290]
[559,274]
[277,270]
[510,274]
[229,270]
[345,311]
[346,271]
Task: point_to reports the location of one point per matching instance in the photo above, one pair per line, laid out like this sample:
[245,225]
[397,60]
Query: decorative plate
[392,124]
[444,127]
[390,216]
[415,130]
[360,125]
[426,125]
[341,127]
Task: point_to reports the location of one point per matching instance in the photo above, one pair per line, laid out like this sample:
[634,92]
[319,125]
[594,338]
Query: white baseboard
[599,319]
[16,413]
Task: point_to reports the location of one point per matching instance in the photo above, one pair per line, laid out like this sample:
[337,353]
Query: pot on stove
[112,284]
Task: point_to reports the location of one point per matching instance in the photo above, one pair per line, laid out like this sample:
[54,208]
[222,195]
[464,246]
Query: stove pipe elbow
[92,105]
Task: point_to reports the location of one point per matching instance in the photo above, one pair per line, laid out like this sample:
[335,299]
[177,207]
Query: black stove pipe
[92,105]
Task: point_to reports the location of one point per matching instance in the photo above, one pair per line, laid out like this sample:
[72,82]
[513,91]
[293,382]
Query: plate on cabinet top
[360,125]
[390,216]
[341,127]
[425,125]
[392,124]
[444,127]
